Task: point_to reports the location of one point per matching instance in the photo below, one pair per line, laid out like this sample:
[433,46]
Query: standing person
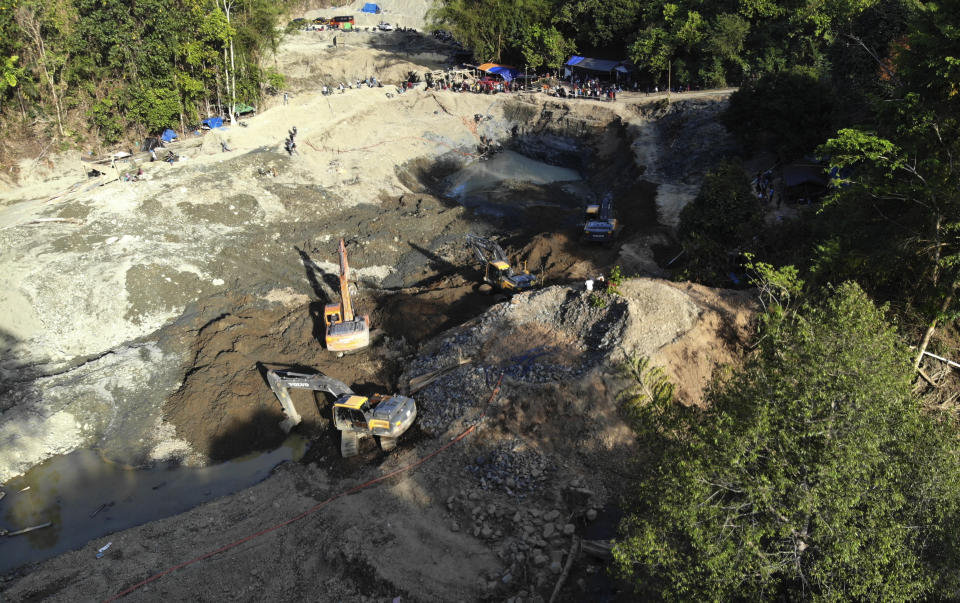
[285,95]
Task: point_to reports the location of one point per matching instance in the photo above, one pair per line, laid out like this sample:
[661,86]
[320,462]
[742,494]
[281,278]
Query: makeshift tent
[243,109]
[168,135]
[804,181]
[507,73]
[595,65]
[370,7]
[212,122]
[150,144]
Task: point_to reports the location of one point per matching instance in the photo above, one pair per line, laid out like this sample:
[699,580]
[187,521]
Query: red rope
[315,508]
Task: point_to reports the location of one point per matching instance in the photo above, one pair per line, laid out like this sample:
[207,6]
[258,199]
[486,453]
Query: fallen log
[574,549]
[601,549]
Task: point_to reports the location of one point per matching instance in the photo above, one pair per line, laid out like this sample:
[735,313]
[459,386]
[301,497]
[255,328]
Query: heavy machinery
[357,417]
[599,224]
[496,267]
[346,332]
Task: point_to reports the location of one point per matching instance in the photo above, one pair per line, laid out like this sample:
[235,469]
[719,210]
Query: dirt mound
[721,337]
[556,335]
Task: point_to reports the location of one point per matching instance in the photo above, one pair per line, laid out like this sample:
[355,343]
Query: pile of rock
[572,337]
[510,468]
[532,539]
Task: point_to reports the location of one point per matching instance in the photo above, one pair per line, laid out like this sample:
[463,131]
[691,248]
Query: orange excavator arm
[345,305]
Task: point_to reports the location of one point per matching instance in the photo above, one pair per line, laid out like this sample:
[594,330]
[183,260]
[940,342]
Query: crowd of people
[764,188]
[590,88]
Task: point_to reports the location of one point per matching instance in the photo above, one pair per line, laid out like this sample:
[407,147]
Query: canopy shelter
[168,135]
[507,73]
[371,8]
[596,66]
[243,109]
[211,123]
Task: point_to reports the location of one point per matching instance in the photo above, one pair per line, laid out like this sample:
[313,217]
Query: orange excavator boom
[345,305]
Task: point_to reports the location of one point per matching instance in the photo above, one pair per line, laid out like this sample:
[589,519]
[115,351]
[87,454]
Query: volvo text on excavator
[496,267]
[346,332]
[599,223]
[357,417]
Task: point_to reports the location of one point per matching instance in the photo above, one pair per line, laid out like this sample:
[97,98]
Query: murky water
[509,183]
[86,497]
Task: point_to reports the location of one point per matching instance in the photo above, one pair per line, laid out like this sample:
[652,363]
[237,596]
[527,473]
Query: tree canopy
[811,473]
[147,65]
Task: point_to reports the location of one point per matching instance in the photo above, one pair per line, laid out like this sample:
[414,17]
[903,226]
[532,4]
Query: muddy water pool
[510,183]
[86,497]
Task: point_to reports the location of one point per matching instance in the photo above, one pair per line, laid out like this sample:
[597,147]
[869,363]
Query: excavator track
[349,444]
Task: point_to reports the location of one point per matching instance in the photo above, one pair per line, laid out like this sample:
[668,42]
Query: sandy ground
[139,311]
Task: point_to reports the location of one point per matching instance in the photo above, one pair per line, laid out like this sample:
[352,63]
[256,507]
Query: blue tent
[599,65]
[507,73]
[370,7]
[168,135]
[212,122]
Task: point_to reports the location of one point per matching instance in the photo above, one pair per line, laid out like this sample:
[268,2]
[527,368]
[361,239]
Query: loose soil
[217,268]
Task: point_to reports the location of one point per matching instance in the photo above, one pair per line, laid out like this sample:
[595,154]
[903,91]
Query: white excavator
[346,331]
[357,417]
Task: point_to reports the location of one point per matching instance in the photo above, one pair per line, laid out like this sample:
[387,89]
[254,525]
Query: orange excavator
[346,332]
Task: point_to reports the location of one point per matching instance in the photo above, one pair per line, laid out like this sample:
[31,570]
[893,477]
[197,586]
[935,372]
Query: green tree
[788,112]
[497,30]
[721,223]
[897,219]
[10,76]
[812,473]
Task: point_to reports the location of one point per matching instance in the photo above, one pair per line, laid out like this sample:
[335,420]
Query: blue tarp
[601,65]
[505,72]
[168,135]
[370,7]
[212,122]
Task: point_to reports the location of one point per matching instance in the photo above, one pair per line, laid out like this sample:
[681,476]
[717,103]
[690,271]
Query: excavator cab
[331,314]
[499,273]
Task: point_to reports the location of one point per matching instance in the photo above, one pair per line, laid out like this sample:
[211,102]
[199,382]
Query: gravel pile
[510,468]
[541,337]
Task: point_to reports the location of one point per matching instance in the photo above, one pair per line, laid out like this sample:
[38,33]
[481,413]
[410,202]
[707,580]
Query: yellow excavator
[599,223]
[496,267]
[356,417]
[346,332]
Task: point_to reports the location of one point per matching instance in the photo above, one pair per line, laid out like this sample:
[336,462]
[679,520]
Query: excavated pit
[415,277]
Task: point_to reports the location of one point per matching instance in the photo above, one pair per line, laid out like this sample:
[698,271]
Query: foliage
[151,64]
[721,222]
[789,112]
[597,300]
[896,221]
[812,473]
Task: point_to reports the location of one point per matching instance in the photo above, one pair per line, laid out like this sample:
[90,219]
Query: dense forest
[113,66]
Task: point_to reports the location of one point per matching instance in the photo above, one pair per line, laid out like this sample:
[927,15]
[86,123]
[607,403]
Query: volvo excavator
[496,266]
[346,332]
[599,224]
[357,417]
